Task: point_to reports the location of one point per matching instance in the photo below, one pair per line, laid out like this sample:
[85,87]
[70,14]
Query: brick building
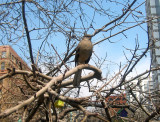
[12,89]
[116,100]
[10,59]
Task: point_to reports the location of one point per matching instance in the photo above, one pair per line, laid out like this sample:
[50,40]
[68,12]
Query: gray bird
[83,55]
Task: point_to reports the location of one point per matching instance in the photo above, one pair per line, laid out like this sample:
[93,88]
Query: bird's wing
[77,56]
[86,62]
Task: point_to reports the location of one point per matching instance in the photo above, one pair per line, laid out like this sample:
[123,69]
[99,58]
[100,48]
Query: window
[17,61]
[110,99]
[3,66]
[124,99]
[3,54]
[118,98]
[10,56]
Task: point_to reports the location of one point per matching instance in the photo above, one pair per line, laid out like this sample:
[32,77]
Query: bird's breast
[85,51]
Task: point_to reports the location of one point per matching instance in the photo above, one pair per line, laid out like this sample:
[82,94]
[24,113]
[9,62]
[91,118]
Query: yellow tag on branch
[59,103]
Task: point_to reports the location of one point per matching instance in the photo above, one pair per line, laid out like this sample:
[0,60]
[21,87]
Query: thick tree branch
[53,82]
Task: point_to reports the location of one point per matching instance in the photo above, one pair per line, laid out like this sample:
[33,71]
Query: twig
[124,30]
[60,65]
[60,57]
[130,91]
[99,30]
[27,32]
[109,81]
[153,114]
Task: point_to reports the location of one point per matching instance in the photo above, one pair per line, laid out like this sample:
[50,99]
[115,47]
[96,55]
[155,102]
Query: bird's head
[87,36]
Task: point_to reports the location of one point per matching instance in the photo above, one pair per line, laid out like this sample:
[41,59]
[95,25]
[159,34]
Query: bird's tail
[77,78]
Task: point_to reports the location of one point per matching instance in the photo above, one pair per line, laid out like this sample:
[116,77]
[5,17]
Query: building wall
[116,100]
[10,59]
[12,89]
[153,10]
[142,88]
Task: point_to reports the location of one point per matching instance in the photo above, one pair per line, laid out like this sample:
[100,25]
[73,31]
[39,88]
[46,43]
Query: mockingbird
[83,54]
